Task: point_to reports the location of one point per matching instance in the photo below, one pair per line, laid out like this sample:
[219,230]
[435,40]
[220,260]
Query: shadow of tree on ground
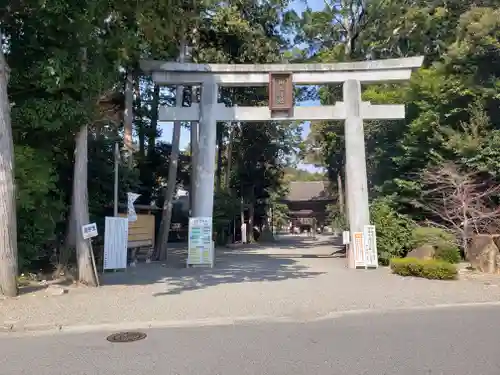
[238,265]
[256,269]
[298,242]
[238,268]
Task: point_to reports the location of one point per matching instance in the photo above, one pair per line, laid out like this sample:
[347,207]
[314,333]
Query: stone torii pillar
[205,168]
[357,179]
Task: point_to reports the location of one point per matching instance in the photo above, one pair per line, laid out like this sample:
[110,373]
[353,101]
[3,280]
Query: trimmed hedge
[429,269]
[450,254]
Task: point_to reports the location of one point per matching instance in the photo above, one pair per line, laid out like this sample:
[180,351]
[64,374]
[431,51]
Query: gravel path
[298,278]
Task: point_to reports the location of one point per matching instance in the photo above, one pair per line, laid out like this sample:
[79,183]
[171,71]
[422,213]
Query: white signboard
[370,242]
[115,243]
[200,245]
[358,249]
[243,233]
[345,237]
[89,231]
[131,198]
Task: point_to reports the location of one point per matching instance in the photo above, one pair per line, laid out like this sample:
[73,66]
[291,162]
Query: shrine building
[307,200]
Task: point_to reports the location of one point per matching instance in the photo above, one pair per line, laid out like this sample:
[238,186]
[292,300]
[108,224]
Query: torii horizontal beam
[255,114]
[174,73]
[262,79]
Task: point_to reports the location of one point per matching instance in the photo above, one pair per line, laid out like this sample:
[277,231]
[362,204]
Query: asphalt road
[455,341]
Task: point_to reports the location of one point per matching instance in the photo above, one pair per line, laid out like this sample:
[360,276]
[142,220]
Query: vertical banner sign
[200,245]
[370,242]
[131,198]
[358,250]
[115,243]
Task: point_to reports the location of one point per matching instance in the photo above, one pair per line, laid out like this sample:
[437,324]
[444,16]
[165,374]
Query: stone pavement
[297,278]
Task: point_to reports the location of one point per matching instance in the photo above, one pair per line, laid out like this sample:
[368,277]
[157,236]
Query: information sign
[200,245]
[370,242]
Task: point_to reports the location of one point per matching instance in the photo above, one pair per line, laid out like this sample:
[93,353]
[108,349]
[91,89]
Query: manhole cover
[126,336]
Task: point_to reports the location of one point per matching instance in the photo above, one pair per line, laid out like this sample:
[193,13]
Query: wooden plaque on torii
[281,92]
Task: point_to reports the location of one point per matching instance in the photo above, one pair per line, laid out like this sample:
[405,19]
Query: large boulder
[422,252]
[483,253]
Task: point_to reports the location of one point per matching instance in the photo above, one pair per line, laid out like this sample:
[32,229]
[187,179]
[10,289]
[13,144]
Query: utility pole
[117,164]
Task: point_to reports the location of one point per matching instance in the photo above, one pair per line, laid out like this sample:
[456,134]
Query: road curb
[54,328]
[393,310]
[12,328]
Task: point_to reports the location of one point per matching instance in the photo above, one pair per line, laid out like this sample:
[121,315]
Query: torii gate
[281,78]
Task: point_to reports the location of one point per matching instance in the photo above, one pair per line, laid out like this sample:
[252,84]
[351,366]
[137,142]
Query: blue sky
[167,127]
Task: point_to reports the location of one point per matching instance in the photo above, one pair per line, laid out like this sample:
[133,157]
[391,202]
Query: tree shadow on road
[229,268]
[340,253]
[300,242]
[276,261]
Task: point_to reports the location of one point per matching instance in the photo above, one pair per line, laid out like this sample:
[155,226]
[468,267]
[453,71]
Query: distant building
[307,200]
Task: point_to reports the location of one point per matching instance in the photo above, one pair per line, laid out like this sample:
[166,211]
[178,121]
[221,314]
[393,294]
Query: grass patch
[429,269]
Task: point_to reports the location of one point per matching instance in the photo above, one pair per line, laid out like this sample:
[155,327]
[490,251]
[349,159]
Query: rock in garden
[422,252]
[483,253]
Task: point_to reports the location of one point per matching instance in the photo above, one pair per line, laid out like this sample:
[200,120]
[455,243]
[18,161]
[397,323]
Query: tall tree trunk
[251,214]
[69,241]
[8,225]
[84,255]
[340,192]
[229,156]
[162,244]
[353,20]
[80,201]
[227,175]
[154,121]
[242,219]
[142,128]
[166,218]
[128,116]
[218,181]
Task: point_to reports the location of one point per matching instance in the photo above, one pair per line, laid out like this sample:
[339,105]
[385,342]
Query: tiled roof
[308,190]
[301,213]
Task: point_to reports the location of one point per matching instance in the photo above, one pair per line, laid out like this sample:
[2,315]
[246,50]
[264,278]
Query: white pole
[117,157]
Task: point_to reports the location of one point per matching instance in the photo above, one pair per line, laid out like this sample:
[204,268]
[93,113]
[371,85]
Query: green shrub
[444,243]
[431,236]
[39,207]
[336,219]
[449,253]
[393,230]
[429,269]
